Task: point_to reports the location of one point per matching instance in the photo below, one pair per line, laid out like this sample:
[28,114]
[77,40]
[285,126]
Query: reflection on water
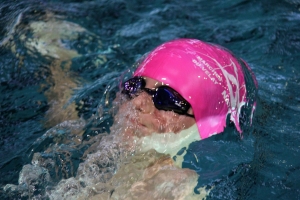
[50,49]
[53,38]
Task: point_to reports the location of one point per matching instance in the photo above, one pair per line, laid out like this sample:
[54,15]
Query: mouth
[138,128]
[135,122]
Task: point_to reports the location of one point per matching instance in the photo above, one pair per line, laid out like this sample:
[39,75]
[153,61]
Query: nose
[143,103]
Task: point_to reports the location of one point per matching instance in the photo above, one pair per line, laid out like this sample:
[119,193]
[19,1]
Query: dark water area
[108,37]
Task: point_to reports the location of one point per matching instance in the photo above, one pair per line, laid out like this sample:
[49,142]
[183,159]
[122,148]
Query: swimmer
[183,91]
[188,83]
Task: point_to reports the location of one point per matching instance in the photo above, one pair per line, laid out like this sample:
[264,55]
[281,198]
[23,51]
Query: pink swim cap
[208,76]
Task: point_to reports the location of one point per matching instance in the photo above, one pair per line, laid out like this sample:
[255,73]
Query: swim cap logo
[208,70]
[231,94]
[226,97]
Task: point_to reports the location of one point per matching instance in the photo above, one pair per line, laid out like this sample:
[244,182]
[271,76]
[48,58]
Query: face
[140,117]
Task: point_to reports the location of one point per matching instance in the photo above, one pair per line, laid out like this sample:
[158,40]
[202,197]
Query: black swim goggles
[164,97]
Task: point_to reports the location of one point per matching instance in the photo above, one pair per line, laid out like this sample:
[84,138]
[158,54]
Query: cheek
[187,122]
[172,122]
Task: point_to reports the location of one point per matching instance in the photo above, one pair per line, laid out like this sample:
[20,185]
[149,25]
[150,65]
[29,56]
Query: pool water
[58,84]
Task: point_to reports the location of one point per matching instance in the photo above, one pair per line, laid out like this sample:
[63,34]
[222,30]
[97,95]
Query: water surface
[107,37]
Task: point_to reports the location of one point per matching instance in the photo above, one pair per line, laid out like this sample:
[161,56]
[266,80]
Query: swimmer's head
[209,77]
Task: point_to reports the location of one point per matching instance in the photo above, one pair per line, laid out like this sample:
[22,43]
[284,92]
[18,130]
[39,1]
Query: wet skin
[144,118]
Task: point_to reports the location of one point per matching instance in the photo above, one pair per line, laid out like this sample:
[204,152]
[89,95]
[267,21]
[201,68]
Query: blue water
[263,164]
